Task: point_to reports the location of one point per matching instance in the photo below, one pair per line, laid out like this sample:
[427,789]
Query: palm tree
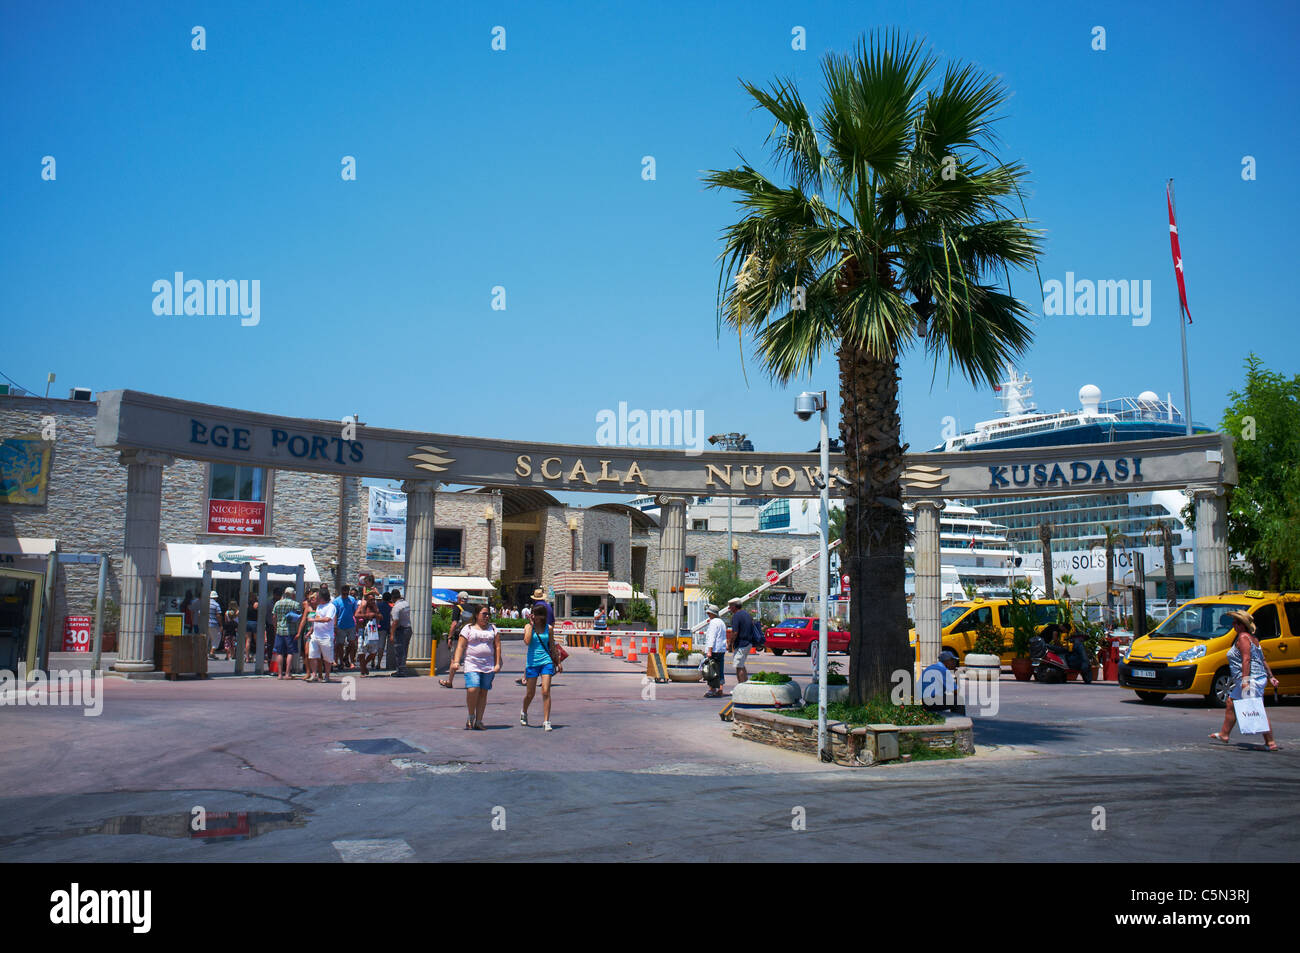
[1066,582]
[893,231]
[1162,529]
[1113,538]
[1045,537]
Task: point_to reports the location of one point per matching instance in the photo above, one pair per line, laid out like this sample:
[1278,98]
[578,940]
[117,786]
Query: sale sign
[238,517]
[76,633]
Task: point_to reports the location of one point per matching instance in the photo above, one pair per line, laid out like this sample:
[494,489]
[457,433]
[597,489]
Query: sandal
[478,726]
[445,682]
[1218,737]
[1272,746]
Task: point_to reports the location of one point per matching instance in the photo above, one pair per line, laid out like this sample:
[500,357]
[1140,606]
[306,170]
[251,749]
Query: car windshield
[951,614]
[793,623]
[1203,621]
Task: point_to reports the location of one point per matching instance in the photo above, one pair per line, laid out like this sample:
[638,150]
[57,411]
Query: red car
[799,634]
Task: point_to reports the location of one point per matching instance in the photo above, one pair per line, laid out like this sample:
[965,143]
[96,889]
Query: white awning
[185,560]
[620,590]
[467,583]
[26,546]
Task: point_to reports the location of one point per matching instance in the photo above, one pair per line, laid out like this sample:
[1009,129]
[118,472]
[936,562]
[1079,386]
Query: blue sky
[522,169]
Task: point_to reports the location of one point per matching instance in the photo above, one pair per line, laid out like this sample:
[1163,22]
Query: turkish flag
[1178,255]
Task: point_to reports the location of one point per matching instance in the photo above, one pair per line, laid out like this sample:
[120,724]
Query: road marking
[373,851]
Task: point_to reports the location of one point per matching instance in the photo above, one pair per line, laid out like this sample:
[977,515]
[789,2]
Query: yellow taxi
[1187,654]
[960,621]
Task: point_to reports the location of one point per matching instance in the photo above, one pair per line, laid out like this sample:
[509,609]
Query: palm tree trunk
[1045,537]
[1110,580]
[875,530]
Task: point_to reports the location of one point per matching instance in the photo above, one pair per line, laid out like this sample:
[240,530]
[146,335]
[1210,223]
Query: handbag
[1250,714]
[555,650]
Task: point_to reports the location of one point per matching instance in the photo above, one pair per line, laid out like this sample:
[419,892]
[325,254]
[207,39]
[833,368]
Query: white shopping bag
[1250,714]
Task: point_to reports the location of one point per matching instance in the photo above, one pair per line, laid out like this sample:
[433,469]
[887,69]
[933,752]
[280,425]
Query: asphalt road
[633,771]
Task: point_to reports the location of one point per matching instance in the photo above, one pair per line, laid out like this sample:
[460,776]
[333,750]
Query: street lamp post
[805,405]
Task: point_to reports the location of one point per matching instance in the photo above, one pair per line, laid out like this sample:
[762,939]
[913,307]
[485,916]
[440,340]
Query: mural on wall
[24,470]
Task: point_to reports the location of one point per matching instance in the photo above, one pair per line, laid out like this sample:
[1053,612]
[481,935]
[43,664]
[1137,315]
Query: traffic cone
[631,651]
[645,646]
[618,647]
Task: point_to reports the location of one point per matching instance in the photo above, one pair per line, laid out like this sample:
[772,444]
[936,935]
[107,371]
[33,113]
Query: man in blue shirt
[937,687]
[345,629]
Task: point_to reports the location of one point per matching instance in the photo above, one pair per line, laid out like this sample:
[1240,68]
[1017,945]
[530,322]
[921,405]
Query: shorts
[345,635]
[370,647]
[286,645]
[481,680]
[742,653]
[251,627]
[322,648]
[533,671]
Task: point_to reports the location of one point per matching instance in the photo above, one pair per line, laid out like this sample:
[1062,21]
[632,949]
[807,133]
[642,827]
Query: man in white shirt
[715,644]
[322,635]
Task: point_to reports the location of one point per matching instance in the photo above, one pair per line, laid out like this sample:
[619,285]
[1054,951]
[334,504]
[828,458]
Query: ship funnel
[1089,399]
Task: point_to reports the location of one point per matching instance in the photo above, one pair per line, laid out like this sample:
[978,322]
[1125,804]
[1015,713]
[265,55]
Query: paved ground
[633,771]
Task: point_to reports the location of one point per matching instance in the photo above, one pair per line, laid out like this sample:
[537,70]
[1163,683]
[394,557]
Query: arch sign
[130,420]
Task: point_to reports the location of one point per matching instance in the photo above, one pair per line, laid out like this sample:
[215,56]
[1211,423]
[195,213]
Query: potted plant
[768,689]
[837,686]
[986,659]
[1021,616]
[683,665]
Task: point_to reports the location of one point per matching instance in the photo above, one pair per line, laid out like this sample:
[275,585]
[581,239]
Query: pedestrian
[744,638]
[323,619]
[539,662]
[286,642]
[214,623]
[188,609]
[303,632]
[461,615]
[715,643]
[613,613]
[598,620]
[345,629]
[385,621]
[539,595]
[367,617]
[1249,671]
[250,628]
[230,631]
[937,685]
[479,647]
[1078,645]
[401,632]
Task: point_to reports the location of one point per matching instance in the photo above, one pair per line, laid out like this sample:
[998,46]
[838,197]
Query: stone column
[672,562]
[1211,541]
[926,556]
[140,560]
[420,496]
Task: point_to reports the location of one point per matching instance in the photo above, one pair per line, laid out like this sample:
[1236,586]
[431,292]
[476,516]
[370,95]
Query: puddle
[380,746]
[218,827]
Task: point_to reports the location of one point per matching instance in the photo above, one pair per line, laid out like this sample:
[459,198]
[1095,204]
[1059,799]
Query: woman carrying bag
[1249,672]
[541,660]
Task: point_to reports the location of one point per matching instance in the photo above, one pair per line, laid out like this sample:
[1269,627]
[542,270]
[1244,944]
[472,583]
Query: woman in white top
[479,647]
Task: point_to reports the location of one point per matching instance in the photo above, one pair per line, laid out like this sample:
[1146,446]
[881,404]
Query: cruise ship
[1079,522]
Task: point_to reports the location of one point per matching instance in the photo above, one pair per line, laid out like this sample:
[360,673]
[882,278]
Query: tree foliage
[722,582]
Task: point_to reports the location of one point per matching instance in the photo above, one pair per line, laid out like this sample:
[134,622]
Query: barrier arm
[795,567]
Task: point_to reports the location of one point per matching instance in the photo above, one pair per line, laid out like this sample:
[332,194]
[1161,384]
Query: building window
[606,557]
[447,548]
[700,524]
[530,560]
[237,497]
[690,564]
[780,565]
[776,515]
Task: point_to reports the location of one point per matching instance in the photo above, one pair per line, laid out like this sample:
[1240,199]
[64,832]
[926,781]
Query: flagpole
[1182,334]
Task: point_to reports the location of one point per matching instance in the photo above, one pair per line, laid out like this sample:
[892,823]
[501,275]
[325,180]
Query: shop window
[447,548]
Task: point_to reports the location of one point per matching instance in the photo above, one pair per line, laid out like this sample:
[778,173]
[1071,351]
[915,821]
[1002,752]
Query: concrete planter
[834,693]
[746,694]
[983,666]
[851,747]
[684,672]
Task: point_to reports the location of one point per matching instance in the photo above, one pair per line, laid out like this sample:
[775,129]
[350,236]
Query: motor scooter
[1048,661]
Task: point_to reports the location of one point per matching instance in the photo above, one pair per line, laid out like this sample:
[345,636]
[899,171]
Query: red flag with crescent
[1177,253]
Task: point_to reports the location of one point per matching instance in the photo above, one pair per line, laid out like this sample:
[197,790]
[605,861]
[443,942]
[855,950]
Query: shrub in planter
[988,640]
[770,678]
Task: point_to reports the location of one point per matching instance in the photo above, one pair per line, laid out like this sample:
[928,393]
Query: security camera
[807,404]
